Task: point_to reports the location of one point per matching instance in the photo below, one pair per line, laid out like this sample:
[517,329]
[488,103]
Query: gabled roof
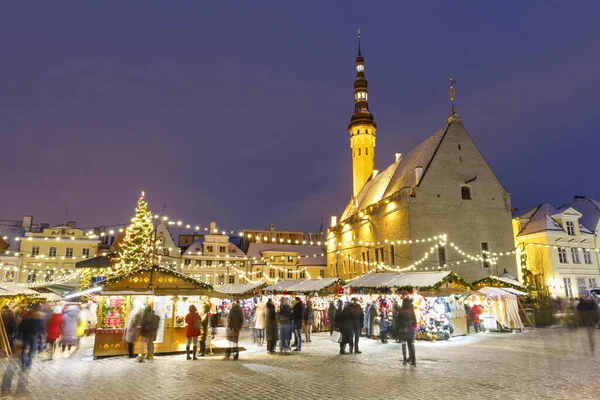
[257,249]
[399,175]
[590,210]
[541,219]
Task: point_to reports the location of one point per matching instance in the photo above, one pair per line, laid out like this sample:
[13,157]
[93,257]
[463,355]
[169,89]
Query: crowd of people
[41,328]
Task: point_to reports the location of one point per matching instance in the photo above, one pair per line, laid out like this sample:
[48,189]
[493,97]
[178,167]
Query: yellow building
[271,262]
[397,219]
[51,255]
[557,250]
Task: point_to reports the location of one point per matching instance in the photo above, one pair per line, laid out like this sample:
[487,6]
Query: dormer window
[570,228]
[360,68]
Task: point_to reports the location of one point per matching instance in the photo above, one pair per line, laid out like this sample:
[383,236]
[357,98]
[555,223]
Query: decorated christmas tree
[136,249]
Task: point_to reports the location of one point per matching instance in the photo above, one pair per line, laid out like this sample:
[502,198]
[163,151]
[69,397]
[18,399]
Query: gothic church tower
[362,129]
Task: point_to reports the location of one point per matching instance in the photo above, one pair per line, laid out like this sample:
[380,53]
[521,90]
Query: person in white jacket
[260,322]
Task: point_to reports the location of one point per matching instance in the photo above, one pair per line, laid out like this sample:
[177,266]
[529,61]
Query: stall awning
[302,285]
[238,289]
[11,289]
[499,281]
[159,281]
[424,280]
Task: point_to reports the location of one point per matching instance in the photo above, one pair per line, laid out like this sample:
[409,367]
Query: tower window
[366,151]
[359,151]
[360,68]
[465,192]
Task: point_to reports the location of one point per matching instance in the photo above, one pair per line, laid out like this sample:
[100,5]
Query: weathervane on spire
[359,41]
[452,92]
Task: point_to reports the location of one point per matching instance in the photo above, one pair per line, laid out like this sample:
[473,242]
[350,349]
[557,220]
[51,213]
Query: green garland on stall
[157,268]
[450,277]
[493,281]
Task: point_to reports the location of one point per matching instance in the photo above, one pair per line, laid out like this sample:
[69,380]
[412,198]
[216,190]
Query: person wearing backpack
[192,331]
[149,328]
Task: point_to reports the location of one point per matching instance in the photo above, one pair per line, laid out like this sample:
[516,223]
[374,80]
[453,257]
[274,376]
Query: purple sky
[239,113]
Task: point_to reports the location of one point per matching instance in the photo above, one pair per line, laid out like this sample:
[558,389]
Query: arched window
[465,192]
[366,151]
[359,151]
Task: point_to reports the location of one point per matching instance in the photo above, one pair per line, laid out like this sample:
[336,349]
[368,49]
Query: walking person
[235,321]
[68,328]
[384,326]
[589,315]
[475,313]
[331,311]
[204,320]
[309,319]
[30,329]
[192,331]
[285,313]
[297,314]
[149,328]
[132,331]
[357,319]
[342,322]
[53,330]
[407,322]
[10,324]
[260,321]
[271,327]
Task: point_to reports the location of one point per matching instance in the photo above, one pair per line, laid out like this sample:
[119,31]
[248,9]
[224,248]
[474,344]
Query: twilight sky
[238,113]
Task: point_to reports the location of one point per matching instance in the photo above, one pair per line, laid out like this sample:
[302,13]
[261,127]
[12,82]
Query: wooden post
[4,343]
[525,313]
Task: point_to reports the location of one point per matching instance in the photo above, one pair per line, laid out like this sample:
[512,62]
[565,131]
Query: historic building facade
[556,250]
[397,218]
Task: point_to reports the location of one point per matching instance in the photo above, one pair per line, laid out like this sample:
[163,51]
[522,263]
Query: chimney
[44,225]
[212,226]
[27,223]
[418,175]
[398,155]
[35,228]
[72,224]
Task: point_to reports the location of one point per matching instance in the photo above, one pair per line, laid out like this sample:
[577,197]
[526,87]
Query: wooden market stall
[437,296]
[168,292]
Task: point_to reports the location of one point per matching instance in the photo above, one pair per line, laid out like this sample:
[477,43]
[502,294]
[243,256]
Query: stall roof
[95,262]
[514,291]
[499,281]
[11,289]
[238,289]
[407,279]
[302,285]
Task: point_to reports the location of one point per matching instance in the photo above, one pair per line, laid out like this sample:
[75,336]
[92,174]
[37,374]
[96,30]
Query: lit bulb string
[234,267]
[58,281]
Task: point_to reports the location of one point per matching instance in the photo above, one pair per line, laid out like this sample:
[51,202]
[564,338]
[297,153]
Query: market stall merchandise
[168,292]
[437,298]
[501,310]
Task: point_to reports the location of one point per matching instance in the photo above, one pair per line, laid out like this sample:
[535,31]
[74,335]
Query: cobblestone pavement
[540,364]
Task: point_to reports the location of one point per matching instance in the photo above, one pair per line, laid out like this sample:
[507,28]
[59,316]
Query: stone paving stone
[540,364]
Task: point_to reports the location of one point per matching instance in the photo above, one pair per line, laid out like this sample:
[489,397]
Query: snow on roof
[590,210]
[541,219]
[11,231]
[412,279]
[237,288]
[302,285]
[397,176]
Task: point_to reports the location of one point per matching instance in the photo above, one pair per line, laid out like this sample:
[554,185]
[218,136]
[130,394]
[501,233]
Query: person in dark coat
[297,313]
[149,329]
[32,326]
[235,320]
[284,316]
[406,332]
[589,315]
[357,319]
[309,319]
[342,324]
[331,311]
[10,324]
[271,327]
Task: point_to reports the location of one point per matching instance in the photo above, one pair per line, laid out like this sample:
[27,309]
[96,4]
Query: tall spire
[362,129]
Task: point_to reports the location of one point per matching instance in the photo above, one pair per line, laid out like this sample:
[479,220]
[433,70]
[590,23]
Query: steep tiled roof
[397,176]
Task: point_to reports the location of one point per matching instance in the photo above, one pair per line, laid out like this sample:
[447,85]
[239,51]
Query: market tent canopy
[158,281]
[95,262]
[420,280]
[11,289]
[238,289]
[303,285]
[506,307]
[499,281]
[514,291]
